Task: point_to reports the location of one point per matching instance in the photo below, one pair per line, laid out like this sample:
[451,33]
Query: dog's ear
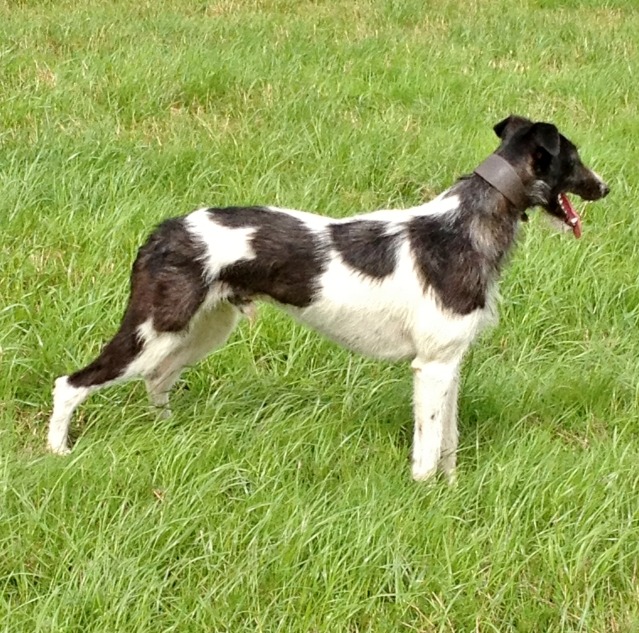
[546,135]
[510,124]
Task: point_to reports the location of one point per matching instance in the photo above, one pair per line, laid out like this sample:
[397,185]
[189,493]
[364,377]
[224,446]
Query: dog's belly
[374,332]
[371,316]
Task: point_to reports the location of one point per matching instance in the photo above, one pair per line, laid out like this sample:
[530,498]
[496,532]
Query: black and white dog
[416,284]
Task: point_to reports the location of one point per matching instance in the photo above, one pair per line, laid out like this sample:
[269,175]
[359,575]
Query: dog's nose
[605,189]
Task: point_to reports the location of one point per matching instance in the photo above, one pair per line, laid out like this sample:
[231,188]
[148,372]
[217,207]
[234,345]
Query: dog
[416,284]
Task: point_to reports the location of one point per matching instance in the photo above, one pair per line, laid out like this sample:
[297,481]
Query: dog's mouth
[562,208]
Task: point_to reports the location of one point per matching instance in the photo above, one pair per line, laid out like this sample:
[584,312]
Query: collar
[501,175]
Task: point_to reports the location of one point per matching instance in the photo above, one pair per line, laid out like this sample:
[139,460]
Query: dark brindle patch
[448,261]
[365,246]
[171,276]
[289,257]
[460,256]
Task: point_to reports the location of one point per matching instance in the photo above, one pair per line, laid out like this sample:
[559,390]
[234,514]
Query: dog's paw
[164,413]
[423,474]
[58,449]
[451,478]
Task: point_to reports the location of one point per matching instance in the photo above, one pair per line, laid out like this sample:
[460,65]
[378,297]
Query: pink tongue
[572,217]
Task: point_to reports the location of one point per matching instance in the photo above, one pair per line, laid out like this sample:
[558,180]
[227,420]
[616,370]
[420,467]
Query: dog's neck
[501,175]
[489,216]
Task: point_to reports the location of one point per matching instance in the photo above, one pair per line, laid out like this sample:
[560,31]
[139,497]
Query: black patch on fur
[448,261]
[289,256]
[167,284]
[446,251]
[170,276]
[365,246]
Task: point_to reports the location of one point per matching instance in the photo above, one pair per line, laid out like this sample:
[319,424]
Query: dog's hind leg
[434,382]
[159,386]
[168,289]
[209,330]
[109,367]
[136,351]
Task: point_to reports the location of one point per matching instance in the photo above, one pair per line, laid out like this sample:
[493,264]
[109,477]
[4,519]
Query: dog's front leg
[450,435]
[434,385]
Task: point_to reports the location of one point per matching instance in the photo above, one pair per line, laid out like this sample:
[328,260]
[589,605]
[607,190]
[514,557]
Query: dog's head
[549,166]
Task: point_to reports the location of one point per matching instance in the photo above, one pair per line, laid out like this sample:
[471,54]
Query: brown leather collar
[501,175]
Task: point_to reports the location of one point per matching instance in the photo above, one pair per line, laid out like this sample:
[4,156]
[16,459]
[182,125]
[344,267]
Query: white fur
[441,205]
[224,245]
[364,314]
[209,329]
[65,400]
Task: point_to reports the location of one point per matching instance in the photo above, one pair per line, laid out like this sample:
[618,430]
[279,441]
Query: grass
[278,498]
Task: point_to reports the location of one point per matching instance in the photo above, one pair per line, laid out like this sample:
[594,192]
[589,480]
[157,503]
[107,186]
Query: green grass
[278,498]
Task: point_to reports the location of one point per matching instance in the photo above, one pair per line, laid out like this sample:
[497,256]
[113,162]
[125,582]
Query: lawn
[278,497]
